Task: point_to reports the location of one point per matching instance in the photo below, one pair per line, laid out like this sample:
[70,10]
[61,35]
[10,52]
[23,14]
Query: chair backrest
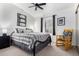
[68,32]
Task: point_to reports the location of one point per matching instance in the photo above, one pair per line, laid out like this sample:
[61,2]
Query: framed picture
[61,21]
[21,20]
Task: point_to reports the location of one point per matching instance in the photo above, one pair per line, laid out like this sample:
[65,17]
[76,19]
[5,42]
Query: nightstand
[4,41]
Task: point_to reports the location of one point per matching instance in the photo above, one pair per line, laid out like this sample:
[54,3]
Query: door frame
[76,15]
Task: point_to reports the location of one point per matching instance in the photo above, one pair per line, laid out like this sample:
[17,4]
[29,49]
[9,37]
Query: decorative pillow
[19,30]
[67,33]
[70,34]
[23,30]
[27,30]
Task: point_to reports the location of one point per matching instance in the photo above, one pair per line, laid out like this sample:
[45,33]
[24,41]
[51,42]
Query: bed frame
[35,49]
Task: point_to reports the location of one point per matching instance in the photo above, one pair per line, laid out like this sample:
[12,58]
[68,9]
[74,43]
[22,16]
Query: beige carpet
[48,51]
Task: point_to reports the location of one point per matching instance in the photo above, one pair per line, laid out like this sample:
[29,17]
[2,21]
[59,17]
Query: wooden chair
[68,39]
[65,40]
[59,40]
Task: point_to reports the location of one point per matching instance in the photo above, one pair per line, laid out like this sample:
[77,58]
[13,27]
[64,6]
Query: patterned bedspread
[29,38]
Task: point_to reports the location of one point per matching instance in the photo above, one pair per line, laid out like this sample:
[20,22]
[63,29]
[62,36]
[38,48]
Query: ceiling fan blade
[31,6]
[40,7]
[42,4]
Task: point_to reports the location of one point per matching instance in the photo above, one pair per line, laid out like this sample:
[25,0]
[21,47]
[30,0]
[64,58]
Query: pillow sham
[27,30]
[19,30]
[23,30]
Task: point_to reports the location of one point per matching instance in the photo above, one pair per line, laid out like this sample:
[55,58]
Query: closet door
[49,25]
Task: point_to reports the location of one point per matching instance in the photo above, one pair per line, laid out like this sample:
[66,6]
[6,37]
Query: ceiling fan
[37,5]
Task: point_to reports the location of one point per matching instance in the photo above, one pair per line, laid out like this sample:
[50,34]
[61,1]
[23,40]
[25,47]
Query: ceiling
[48,8]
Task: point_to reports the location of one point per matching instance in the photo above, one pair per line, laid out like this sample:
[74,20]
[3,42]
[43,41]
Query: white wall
[37,24]
[8,17]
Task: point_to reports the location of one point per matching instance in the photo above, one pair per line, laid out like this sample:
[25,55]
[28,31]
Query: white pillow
[27,30]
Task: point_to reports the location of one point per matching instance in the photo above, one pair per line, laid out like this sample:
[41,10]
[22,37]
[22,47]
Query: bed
[31,42]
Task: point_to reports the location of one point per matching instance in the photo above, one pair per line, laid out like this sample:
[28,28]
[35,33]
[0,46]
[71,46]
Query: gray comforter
[29,38]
